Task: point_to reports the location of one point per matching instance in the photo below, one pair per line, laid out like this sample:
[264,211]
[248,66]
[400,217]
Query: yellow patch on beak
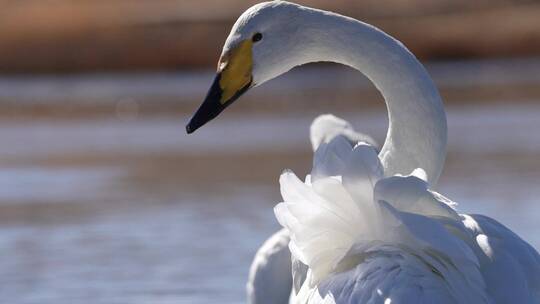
[235,67]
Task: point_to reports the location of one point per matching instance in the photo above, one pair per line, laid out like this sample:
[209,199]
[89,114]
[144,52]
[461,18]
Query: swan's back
[510,266]
[388,273]
[402,244]
[510,269]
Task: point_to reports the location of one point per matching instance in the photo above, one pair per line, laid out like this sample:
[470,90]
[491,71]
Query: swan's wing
[510,266]
[332,229]
[270,277]
[386,275]
[325,127]
[411,194]
[424,264]
[270,271]
[330,159]
[323,218]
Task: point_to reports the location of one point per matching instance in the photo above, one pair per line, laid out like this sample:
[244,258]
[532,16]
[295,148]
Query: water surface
[103,209]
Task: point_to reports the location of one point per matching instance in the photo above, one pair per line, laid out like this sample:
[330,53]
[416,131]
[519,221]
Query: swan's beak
[232,80]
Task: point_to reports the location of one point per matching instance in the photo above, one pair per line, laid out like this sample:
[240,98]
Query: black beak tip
[189,130]
[212,105]
[193,126]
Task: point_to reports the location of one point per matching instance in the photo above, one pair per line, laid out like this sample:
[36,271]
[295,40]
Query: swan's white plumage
[372,238]
[325,127]
[510,266]
[270,276]
[406,245]
[411,194]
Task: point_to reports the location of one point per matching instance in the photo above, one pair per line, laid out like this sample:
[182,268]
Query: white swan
[270,279]
[384,248]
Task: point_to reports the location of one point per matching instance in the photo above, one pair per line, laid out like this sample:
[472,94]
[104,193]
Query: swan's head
[263,43]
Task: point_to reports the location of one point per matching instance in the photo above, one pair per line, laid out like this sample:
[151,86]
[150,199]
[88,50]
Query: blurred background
[105,199]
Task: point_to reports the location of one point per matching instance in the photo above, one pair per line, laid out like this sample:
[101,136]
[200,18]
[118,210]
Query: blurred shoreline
[61,36]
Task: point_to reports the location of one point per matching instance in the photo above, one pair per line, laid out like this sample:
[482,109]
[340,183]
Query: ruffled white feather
[346,218]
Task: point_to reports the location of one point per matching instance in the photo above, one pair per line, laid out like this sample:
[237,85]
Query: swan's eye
[257,37]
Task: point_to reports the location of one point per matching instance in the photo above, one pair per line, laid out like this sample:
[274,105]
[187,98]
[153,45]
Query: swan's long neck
[417,132]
